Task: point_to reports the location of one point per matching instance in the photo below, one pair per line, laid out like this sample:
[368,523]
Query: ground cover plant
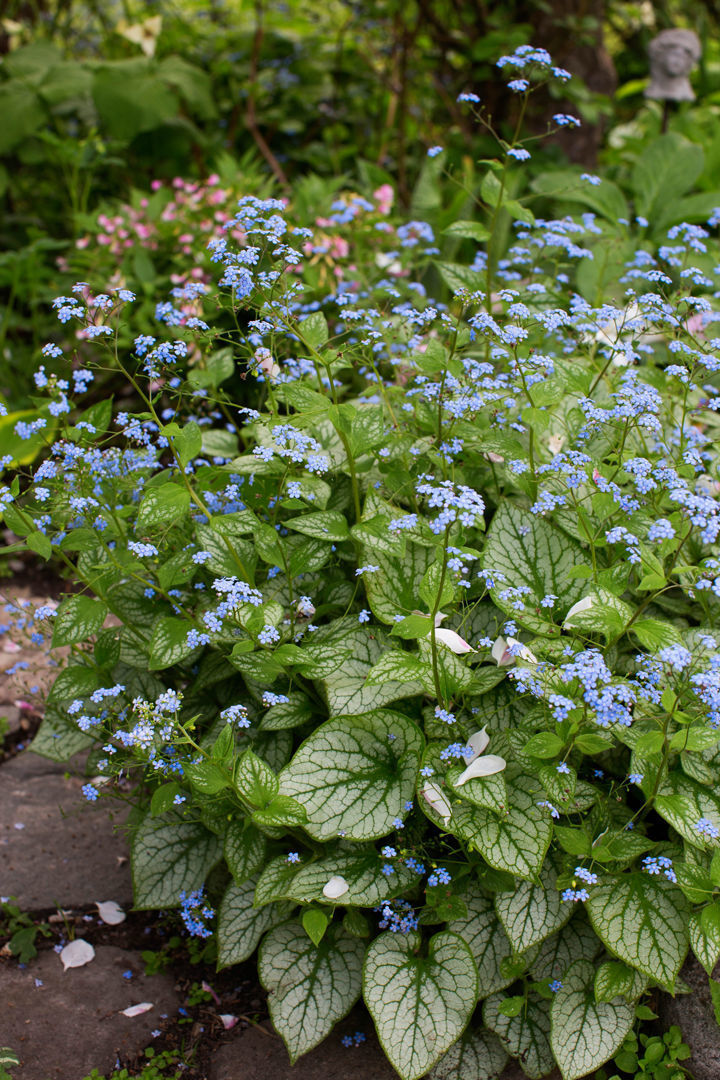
[410,654]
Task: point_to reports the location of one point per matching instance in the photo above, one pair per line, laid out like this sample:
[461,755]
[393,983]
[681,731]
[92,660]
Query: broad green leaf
[244,849]
[585,1033]
[281,810]
[525,1036]
[327,525]
[655,634]
[368,429]
[314,329]
[315,923]
[531,553]
[40,544]
[546,744]
[516,842]
[575,941]
[419,1004]
[354,774]
[207,777]
[76,681]
[467,230]
[667,168]
[477,1055]
[614,979]
[488,942]
[77,620]
[704,928]
[350,694]
[683,802]
[169,856]
[393,588]
[310,987]
[187,444]
[606,198]
[288,714]
[643,922]
[255,780]
[58,737]
[164,797]
[533,911]
[361,867]
[241,926]
[162,506]
[395,666]
[488,792]
[169,643]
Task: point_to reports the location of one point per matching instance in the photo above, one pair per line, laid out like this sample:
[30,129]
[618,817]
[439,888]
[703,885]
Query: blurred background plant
[122,122]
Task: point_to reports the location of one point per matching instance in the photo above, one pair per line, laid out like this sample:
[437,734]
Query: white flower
[477,764]
[433,794]
[582,605]
[335,887]
[138,1010]
[452,640]
[505,652]
[144,34]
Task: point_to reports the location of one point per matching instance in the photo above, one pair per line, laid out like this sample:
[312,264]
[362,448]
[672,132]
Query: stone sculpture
[673,55]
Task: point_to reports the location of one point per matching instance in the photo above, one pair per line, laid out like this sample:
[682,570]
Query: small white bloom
[505,652]
[582,605]
[452,640]
[556,443]
[433,794]
[477,764]
[76,954]
[337,886]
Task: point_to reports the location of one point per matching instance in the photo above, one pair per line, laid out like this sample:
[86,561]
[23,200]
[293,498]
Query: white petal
[110,912]
[478,741]
[138,1010]
[76,954]
[433,794]
[486,765]
[582,605]
[523,653]
[228,1020]
[500,653]
[452,640]
[335,887]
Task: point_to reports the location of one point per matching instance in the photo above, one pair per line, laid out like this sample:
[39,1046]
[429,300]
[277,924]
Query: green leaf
[533,911]
[288,714]
[282,810]
[531,553]
[169,856]
[606,198]
[351,777]
[546,744]
[575,941]
[314,329]
[458,277]
[24,114]
[667,168]
[525,1036]
[467,230]
[240,926]
[489,792]
[245,849]
[704,928]
[328,525]
[315,923]
[419,1004]
[643,922]
[162,506]
[516,842]
[395,666]
[683,802]
[310,987]
[255,780]
[654,634]
[488,942]
[477,1055]
[169,643]
[613,979]
[585,1033]
[40,544]
[361,867]
[130,100]
[187,444]
[368,429]
[591,743]
[58,737]
[77,620]
[436,584]
[76,681]
[207,777]
[393,589]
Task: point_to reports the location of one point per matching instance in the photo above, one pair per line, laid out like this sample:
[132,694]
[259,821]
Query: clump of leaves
[21,930]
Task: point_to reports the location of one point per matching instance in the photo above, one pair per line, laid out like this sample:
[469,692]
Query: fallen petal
[137,1010]
[335,887]
[228,1020]
[452,640]
[478,741]
[486,765]
[110,912]
[76,954]
[500,653]
[582,605]
[438,800]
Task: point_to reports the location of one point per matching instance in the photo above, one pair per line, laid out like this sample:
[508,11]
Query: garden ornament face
[673,55]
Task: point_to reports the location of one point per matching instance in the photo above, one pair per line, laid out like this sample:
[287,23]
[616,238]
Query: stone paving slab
[72,1023]
[66,852]
[694,1015]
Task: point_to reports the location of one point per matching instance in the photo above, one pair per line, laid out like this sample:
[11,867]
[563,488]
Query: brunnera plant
[413,667]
